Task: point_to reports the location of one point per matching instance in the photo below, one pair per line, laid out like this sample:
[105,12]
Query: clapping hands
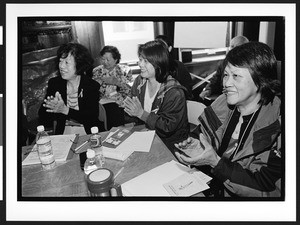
[111,80]
[133,107]
[190,147]
[56,104]
[197,152]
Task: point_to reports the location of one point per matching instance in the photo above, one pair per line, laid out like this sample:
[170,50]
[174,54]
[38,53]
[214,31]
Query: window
[206,40]
[126,36]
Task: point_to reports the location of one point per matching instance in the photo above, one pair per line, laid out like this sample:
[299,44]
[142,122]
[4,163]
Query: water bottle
[96,145]
[91,163]
[44,147]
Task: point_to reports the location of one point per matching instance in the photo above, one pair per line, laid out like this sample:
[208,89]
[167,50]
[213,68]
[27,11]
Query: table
[67,179]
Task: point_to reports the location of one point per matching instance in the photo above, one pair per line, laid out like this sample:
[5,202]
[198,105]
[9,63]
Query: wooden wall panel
[89,34]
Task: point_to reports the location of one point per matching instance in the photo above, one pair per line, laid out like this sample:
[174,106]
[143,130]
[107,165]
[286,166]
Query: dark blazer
[88,101]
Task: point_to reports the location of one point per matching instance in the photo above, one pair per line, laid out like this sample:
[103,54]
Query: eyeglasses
[79,147]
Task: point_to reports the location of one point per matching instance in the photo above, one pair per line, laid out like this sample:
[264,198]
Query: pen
[80,146]
[34,148]
[117,174]
[186,185]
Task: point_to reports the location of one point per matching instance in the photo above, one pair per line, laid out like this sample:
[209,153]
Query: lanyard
[245,132]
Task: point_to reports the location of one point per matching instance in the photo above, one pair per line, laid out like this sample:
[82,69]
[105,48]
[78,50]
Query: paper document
[116,153]
[152,182]
[138,141]
[106,100]
[186,185]
[61,145]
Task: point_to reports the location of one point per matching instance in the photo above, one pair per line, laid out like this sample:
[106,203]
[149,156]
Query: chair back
[102,115]
[194,110]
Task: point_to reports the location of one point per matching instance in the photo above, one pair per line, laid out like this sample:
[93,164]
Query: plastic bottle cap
[94,130]
[90,153]
[40,128]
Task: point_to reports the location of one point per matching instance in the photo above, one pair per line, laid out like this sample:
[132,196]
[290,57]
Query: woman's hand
[206,156]
[110,90]
[133,107]
[111,80]
[190,147]
[56,104]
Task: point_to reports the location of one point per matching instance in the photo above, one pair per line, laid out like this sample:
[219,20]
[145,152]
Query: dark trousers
[114,115]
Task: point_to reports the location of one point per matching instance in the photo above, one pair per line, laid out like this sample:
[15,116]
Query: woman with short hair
[72,95]
[113,77]
[241,131]
[114,80]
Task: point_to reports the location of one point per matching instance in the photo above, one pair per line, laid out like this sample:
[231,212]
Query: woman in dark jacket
[72,95]
[158,99]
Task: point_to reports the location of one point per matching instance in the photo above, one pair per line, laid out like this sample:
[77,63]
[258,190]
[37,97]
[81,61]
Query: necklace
[242,136]
[72,88]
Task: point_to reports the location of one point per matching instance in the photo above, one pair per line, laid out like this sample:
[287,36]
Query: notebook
[61,146]
[118,136]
